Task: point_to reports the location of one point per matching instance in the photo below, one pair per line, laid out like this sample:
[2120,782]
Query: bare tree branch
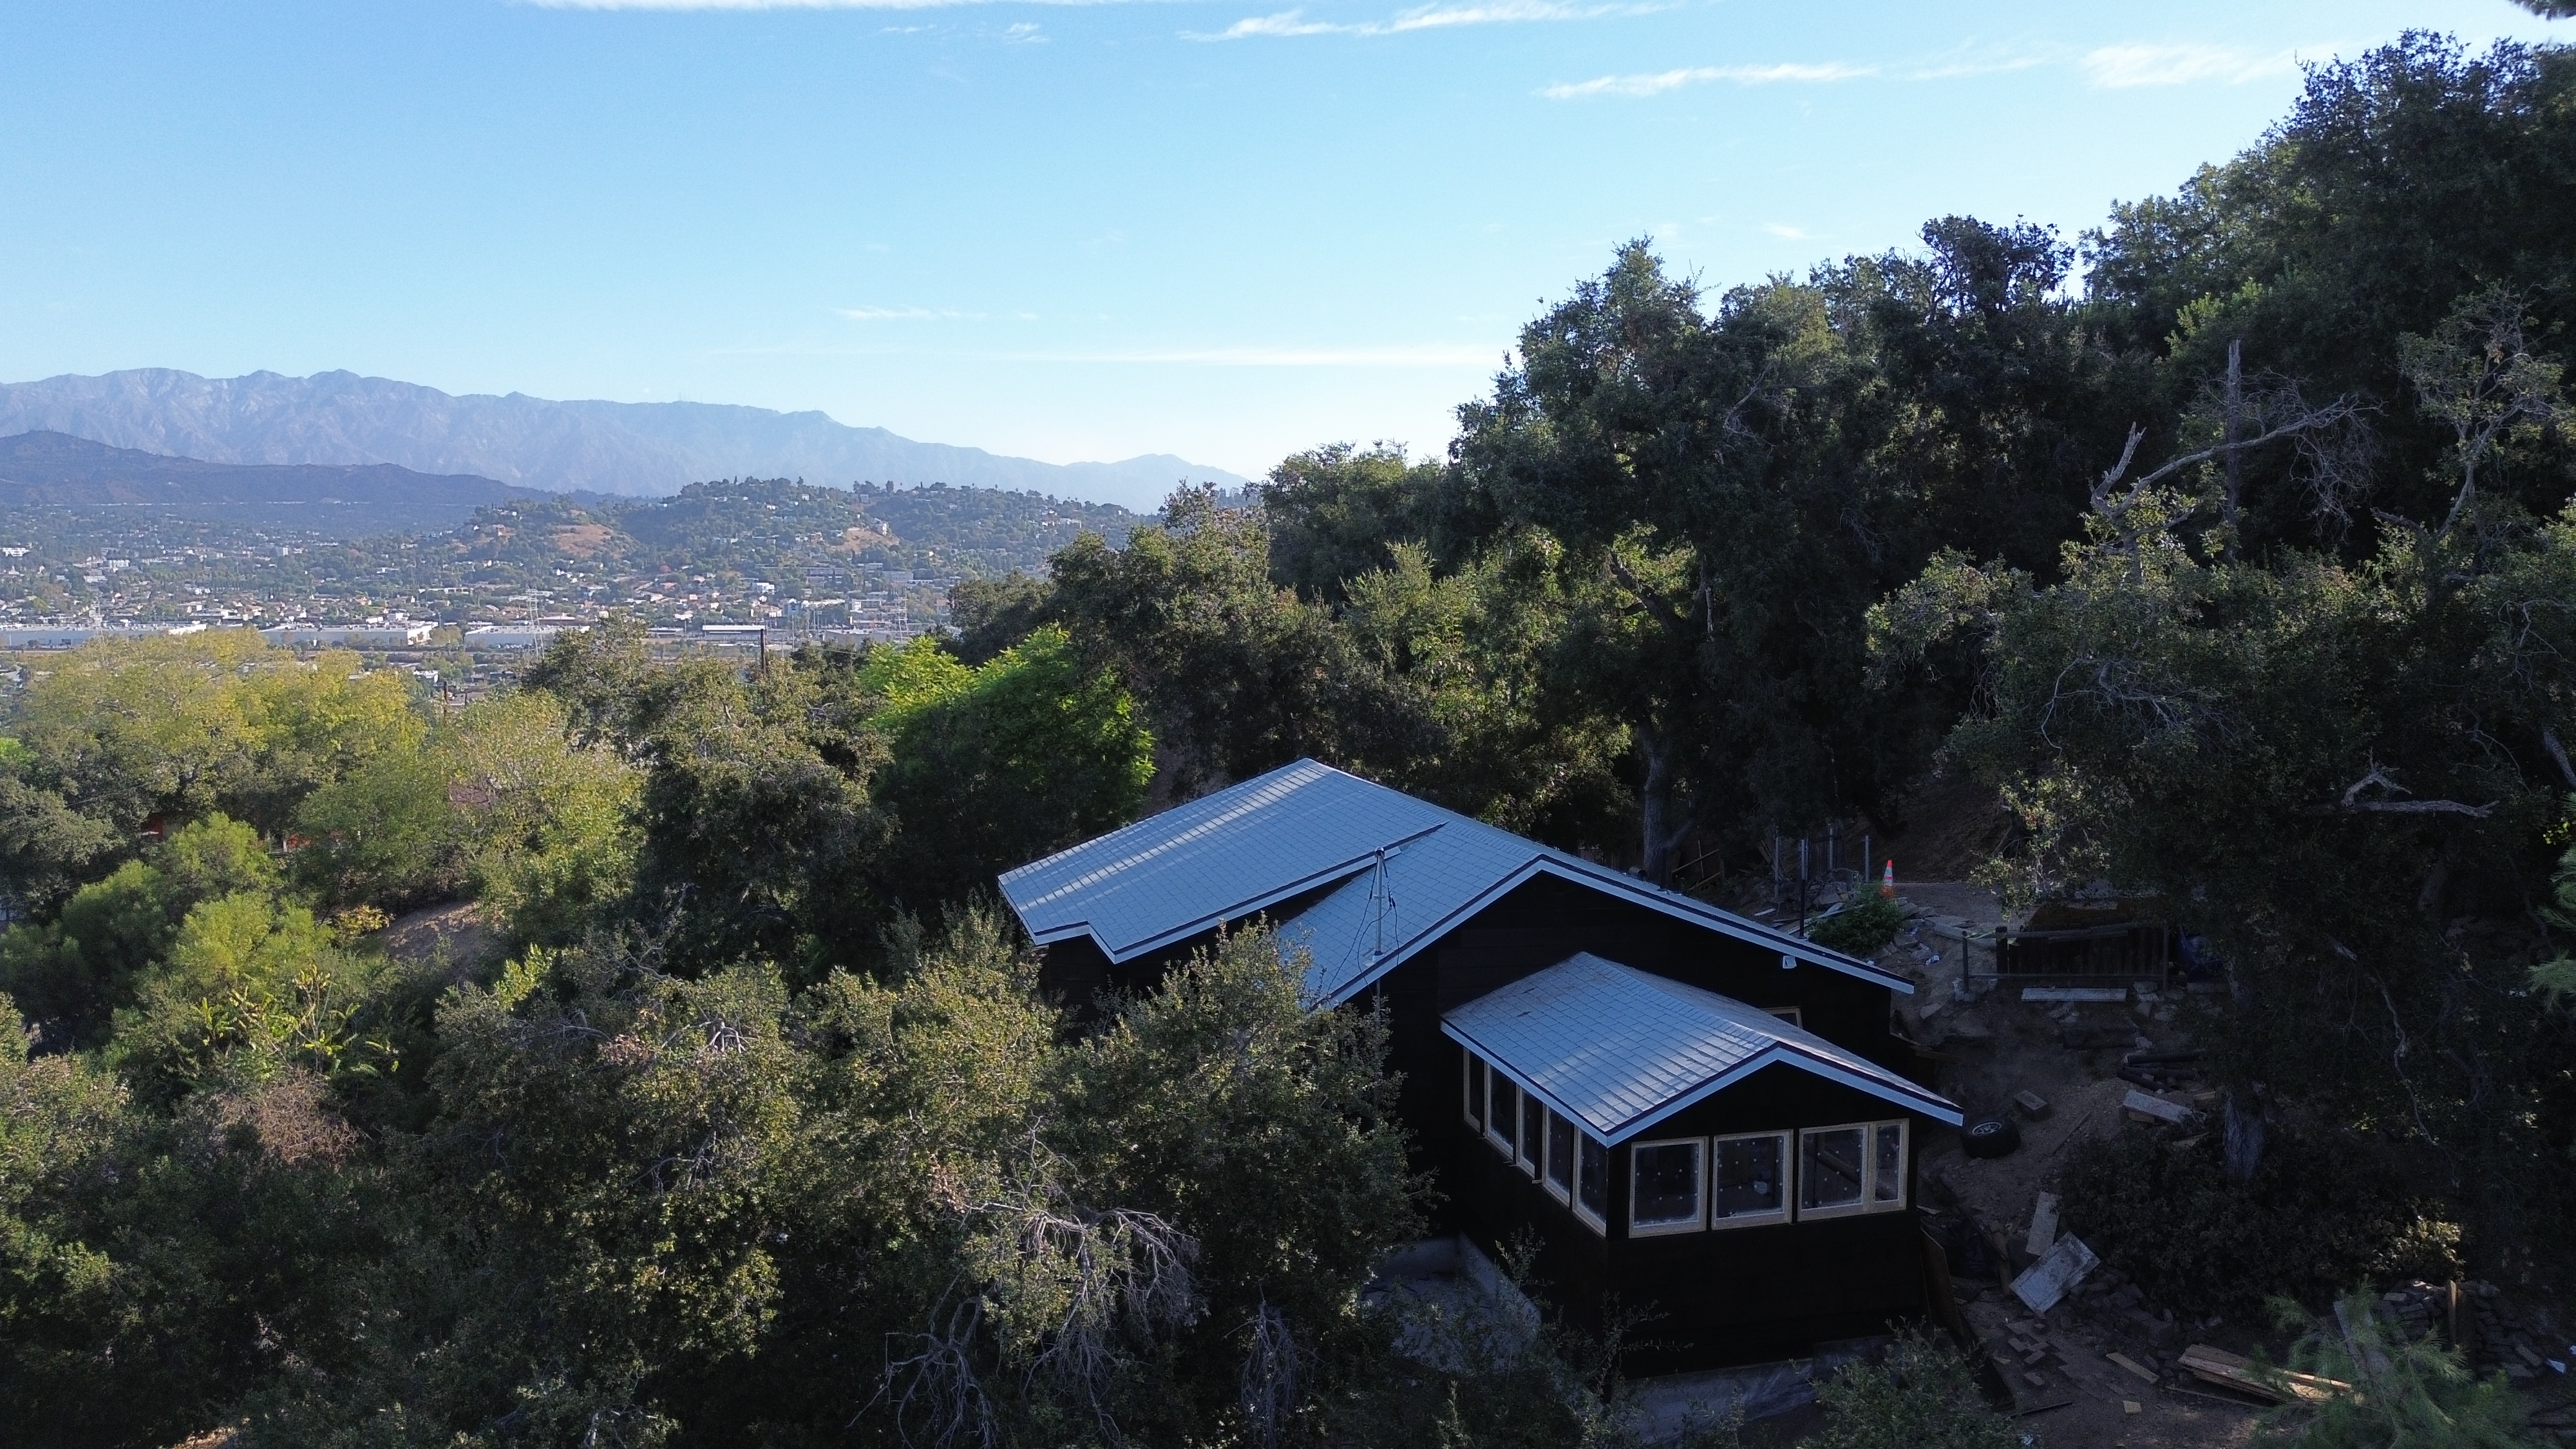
[2352,803]
[2558,752]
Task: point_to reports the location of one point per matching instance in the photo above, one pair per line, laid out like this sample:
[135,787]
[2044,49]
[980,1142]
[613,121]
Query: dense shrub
[1921,1394]
[2317,1217]
[1861,927]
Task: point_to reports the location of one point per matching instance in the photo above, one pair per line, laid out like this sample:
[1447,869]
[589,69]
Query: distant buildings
[72,636]
[392,633]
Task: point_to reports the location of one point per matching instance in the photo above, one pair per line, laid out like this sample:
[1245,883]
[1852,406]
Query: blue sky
[1221,228]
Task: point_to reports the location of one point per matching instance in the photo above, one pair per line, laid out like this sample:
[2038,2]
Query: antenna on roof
[1381,903]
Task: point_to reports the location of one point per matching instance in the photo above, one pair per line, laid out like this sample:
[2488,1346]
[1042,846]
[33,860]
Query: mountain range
[55,470]
[340,419]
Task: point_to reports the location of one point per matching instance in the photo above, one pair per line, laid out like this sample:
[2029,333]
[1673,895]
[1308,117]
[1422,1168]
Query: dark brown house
[1696,1114]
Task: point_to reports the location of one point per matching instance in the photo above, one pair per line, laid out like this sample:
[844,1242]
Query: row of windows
[1573,1167]
[1688,1184]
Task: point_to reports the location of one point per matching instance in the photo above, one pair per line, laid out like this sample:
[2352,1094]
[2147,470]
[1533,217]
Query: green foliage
[251,988]
[2317,1215]
[1336,513]
[1222,1102]
[1920,1395]
[2407,1393]
[150,1265]
[387,834]
[1864,924]
[1236,674]
[124,730]
[989,768]
[75,970]
[549,835]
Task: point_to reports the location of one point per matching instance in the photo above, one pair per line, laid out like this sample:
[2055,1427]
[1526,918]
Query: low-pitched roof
[1619,1050]
[1402,873]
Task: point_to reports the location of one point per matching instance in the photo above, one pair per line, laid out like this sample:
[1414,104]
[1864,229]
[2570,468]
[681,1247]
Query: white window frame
[1869,1202]
[1790,1014]
[1533,1155]
[1547,1157]
[1598,1222]
[1495,1082]
[1469,1107]
[1904,1164]
[1698,1223]
[1788,1181]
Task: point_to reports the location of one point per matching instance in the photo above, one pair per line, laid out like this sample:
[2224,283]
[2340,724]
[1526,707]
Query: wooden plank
[2132,1365]
[2099,995]
[2043,1226]
[2277,1384]
[2155,1107]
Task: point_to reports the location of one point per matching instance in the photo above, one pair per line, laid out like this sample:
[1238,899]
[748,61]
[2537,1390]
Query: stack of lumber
[2280,1385]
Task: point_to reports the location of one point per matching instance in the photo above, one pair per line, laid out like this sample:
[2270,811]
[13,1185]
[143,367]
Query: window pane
[1829,1167]
[1533,1129]
[1592,1178]
[1560,1152]
[1888,1183]
[1476,1090]
[1667,1184]
[1748,1177]
[1505,1109]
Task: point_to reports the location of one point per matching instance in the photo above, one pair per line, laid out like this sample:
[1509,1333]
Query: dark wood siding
[1713,1297]
[1731,1296]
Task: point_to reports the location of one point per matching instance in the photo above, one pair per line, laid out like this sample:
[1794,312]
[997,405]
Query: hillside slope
[56,470]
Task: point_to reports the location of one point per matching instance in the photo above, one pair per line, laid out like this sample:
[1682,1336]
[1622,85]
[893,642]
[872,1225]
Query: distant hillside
[775,528]
[340,418]
[54,470]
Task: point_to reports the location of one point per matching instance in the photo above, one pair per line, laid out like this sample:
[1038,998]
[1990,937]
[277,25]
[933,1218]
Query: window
[1591,1181]
[1854,1169]
[1560,1158]
[1664,1187]
[1475,1088]
[1831,1170]
[1887,1165]
[1502,1109]
[1533,1132]
[1788,1014]
[1749,1180]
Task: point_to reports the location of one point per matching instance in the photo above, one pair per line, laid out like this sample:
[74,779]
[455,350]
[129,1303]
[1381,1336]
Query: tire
[1989,1137]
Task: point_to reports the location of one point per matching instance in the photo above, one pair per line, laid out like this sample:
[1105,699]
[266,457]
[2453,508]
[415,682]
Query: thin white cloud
[2119,67]
[905,314]
[1437,16]
[1026,32]
[1655,83]
[1789,233]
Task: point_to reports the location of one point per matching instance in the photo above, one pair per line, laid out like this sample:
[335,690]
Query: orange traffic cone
[1887,882]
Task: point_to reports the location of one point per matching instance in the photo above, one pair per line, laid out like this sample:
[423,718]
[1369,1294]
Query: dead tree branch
[2352,803]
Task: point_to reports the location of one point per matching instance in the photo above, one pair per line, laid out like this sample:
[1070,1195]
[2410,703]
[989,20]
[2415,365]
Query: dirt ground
[2070,1392]
[453,935]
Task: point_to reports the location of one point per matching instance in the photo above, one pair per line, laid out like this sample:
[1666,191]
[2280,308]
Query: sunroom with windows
[1667,1143]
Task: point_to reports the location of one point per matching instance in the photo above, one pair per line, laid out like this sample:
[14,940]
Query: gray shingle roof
[1619,1050]
[1407,871]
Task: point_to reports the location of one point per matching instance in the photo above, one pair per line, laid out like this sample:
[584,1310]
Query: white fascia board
[1779,1054]
[1785,1054]
[1799,949]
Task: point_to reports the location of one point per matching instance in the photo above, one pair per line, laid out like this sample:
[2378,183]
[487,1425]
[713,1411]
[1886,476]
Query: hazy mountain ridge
[341,418]
[45,469]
